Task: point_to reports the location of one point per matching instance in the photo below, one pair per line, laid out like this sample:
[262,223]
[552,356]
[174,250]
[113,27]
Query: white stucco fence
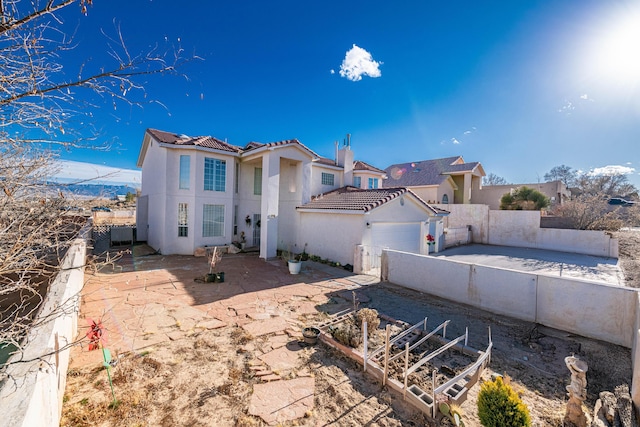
[591,309]
[522,229]
[32,393]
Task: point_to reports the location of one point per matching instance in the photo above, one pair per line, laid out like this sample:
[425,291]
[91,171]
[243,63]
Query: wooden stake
[406,369]
[386,355]
[365,340]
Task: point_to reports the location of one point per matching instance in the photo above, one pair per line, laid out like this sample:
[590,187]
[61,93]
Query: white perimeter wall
[477,216]
[592,309]
[35,397]
[522,229]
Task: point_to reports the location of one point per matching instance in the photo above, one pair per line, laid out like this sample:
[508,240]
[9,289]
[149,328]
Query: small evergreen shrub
[500,406]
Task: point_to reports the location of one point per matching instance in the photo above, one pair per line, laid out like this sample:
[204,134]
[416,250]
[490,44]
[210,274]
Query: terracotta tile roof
[362,166]
[426,172]
[356,199]
[201,141]
[255,145]
[326,161]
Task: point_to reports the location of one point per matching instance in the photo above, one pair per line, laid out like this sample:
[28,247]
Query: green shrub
[500,406]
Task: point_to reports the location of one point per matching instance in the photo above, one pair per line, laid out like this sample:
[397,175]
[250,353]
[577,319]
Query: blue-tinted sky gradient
[519,86]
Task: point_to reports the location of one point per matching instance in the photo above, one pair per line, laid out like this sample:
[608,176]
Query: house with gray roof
[202,191]
[447,180]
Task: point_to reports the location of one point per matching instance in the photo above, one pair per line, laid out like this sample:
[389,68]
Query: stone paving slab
[280,401]
[283,358]
[265,327]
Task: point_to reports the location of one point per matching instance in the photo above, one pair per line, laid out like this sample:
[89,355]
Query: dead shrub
[348,334]
[371,317]
[239,336]
[248,421]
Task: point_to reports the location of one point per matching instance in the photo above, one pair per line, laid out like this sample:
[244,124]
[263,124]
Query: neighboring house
[334,223]
[490,195]
[201,191]
[448,180]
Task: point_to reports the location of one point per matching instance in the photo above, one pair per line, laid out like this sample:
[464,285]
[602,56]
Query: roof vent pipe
[348,140]
[336,144]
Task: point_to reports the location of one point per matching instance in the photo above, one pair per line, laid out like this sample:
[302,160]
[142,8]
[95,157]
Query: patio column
[269,207]
[466,195]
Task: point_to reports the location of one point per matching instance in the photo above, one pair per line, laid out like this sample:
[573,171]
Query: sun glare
[615,55]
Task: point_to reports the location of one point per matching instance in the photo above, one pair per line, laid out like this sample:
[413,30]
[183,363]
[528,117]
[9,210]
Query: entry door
[256,230]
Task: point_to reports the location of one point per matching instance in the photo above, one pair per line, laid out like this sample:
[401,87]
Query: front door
[256,230]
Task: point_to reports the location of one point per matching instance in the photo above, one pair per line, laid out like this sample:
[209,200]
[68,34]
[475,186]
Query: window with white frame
[257,181]
[235,220]
[357,181]
[212,220]
[183,220]
[327,178]
[373,182]
[215,174]
[185,166]
[236,181]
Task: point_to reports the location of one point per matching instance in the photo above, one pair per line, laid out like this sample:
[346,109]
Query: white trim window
[257,181]
[328,178]
[373,183]
[183,220]
[357,181]
[215,174]
[185,166]
[212,220]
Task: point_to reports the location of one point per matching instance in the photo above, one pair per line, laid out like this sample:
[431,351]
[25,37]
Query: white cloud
[612,170]
[455,141]
[585,96]
[467,132]
[358,62]
[332,71]
[71,171]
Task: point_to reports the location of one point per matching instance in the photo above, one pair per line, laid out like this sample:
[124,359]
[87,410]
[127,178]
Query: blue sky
[519,86]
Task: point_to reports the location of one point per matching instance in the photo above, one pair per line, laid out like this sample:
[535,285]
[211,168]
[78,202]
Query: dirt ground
[629,255]
[205,377]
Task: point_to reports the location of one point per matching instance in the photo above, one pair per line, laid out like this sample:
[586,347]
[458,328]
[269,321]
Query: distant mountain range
[106,191]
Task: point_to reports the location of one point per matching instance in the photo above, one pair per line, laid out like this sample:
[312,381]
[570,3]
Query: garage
[398,236]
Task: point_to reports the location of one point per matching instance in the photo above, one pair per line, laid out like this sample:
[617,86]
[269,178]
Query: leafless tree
[493,179]
[43,104]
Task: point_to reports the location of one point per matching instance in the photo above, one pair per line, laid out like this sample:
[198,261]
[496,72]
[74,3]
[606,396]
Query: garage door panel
[401,237]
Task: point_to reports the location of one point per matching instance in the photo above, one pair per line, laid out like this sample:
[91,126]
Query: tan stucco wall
[490,194]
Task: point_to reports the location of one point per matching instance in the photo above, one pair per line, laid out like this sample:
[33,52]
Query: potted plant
[247,220]
[295,265]
[243,240]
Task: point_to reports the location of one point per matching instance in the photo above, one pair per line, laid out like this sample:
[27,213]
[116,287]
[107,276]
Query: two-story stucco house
[443,181]
[201,191]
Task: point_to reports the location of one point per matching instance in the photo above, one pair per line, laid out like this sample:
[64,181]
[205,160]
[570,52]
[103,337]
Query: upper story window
[185,166]
[215,174]
[327,178]
[257,181]
[373,182]
[357,181]
[445,199]
[183,220]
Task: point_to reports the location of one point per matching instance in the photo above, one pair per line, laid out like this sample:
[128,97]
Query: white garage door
[401,237]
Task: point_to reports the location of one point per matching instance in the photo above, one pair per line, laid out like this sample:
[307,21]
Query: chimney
[336,158]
